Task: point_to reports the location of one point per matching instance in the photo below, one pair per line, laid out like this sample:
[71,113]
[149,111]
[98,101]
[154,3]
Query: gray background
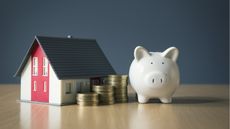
[199,28]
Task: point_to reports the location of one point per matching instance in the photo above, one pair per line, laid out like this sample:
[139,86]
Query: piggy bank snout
[156,79]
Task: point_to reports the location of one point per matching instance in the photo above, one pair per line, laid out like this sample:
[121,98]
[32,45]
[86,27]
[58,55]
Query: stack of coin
[105,94]
[87,99]
[119,82]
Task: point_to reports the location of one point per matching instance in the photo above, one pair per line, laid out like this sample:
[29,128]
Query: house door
[39,76]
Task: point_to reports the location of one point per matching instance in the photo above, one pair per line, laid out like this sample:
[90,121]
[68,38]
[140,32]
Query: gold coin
[120,88]
[103,92]
[87,104]
[102,88]
[90,94]
[121,101]
[114,76]
[87,99]
[106,100]
[106,97]
[122,77]
[109,81]
[106,94]
[120,96]
[120,93]
[125,77]
[113,79]
[116,83]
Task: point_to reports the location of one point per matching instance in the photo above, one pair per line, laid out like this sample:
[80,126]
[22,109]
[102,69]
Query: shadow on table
[197,100]
[185,100]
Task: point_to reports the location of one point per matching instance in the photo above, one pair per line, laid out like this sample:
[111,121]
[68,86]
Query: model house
[54,69]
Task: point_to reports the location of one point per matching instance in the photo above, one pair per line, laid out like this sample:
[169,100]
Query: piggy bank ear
[140,52]
[171,53]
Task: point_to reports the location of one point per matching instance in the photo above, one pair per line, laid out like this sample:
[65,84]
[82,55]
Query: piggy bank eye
[151,62]
[163,63]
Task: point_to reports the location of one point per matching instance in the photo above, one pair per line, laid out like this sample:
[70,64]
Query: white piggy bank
[154,74]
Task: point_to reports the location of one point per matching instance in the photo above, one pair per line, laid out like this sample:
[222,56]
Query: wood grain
[193,107]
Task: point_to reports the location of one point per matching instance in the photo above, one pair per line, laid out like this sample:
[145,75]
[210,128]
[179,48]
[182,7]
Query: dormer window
[35,86]
[35,66]
[68,87]
[45,67]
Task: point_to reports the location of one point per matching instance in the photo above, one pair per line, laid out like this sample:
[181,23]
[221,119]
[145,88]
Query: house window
[68,87]
[35,66]
[45,67]
[44,87]
[35,86]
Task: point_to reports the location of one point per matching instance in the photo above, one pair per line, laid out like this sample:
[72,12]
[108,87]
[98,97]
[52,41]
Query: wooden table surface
[193,107]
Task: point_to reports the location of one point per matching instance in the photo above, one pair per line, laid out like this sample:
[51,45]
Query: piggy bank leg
[166,100]
[142,99]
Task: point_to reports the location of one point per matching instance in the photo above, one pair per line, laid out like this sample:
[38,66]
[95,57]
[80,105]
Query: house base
[53,104]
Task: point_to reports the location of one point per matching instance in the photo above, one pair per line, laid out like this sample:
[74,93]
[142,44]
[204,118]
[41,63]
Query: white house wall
[54,88]
[71,97]
[25,94]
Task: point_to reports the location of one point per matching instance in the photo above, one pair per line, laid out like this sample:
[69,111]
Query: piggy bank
[154,74]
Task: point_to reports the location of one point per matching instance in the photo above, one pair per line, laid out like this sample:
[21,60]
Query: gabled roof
[71,57]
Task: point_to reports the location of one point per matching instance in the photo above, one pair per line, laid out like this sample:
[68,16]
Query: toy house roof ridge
[63,38]
[72,57]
